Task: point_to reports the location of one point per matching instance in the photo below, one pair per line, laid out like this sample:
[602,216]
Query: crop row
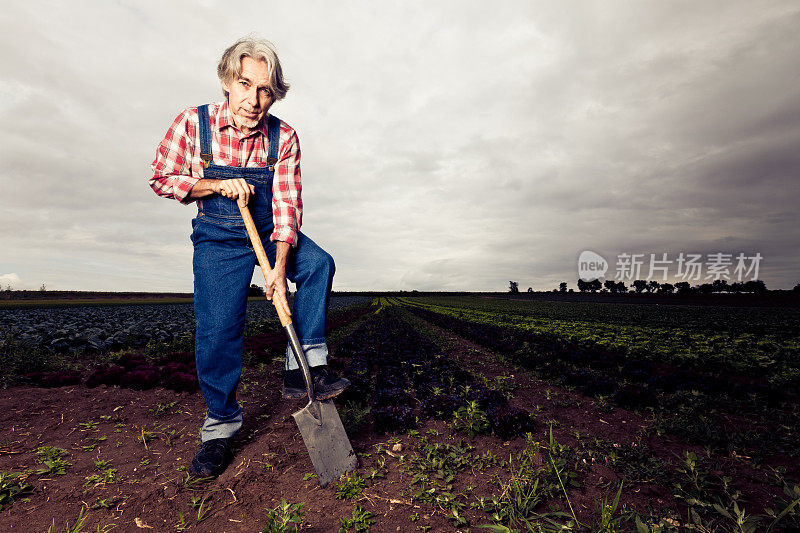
[735,340]
[172,369]
[405,381]
[114,327]
[636,384]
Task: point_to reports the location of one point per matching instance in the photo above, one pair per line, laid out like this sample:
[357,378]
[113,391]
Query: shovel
[323,433]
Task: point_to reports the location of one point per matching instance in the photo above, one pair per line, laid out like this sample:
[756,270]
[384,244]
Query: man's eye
[243,83]
[265,91]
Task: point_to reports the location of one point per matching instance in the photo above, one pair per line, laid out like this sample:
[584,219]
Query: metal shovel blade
[326,441]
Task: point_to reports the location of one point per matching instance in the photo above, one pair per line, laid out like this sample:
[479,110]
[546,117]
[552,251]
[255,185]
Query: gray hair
[230,65]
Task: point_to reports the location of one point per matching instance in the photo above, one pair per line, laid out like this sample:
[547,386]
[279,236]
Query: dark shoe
[325,385]
[212,458]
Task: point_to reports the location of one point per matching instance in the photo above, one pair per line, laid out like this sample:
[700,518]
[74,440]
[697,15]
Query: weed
[360,520]
[145,436]
[52,459]
[309,476]
[635,461]
[517,500]
[350,486]
[181,525]
[105,503]
[77,527]
[162,408]
[354,416]
[505,384]
[439,459]
[108,476]
[608,522]
[11,488]
[452,508]
[194,483]
[202,510]
[471,419]
[284,518]
[375,474]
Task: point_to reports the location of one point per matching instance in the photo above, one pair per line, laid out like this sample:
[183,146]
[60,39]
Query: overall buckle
[206,159]
[271,162]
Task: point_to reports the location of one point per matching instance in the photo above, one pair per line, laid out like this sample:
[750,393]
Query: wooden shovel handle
[263,261]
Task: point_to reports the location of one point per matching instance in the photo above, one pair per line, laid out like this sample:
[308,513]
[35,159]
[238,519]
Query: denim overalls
[223,266]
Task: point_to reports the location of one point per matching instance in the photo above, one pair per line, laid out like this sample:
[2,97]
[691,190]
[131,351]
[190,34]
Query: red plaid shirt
[178,167]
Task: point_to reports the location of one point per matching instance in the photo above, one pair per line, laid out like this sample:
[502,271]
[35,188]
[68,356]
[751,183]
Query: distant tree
[571,290]
[797,288]
[667,288]
[562,287]
[639,285]
[530,289]
[256,290]
[513,286]
[611,285]
[594,285]
[757,286]
[621,288]
[720,285]
[652,286]
[583,286]
[705,288]
[43,287]
[683,287]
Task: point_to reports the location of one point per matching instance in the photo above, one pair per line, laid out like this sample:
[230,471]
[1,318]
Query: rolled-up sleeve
[172,168]
[287,204]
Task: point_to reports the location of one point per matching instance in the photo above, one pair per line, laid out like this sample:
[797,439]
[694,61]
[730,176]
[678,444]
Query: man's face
[249,96]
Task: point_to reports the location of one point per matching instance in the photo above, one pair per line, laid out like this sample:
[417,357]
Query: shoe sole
[294,394]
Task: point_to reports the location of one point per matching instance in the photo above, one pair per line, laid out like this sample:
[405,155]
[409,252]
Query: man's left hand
[276,280]
[276,283]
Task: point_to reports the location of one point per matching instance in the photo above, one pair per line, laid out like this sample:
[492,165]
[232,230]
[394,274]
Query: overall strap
[273,132]
[205,137]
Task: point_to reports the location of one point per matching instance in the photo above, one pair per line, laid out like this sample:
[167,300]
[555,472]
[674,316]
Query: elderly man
[218,155]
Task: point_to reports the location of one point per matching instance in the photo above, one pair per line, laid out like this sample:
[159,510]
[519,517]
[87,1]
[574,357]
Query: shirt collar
[224,120]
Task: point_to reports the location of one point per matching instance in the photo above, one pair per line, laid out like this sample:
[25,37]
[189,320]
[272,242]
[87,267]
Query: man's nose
[252,98]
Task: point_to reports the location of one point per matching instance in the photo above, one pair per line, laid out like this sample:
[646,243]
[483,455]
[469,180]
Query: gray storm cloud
[446,146]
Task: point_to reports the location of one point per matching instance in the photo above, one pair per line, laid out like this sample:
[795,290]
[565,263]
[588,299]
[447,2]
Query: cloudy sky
[446,145]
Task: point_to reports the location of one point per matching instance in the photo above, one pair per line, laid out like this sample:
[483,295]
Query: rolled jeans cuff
[316,355]
[220,429]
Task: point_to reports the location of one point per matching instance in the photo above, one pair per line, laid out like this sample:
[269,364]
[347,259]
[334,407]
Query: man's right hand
[235,189]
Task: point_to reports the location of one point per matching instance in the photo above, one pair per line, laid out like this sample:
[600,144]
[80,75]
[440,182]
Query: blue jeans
[223,266]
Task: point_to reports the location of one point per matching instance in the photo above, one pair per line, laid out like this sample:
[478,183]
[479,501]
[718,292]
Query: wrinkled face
[249,96]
